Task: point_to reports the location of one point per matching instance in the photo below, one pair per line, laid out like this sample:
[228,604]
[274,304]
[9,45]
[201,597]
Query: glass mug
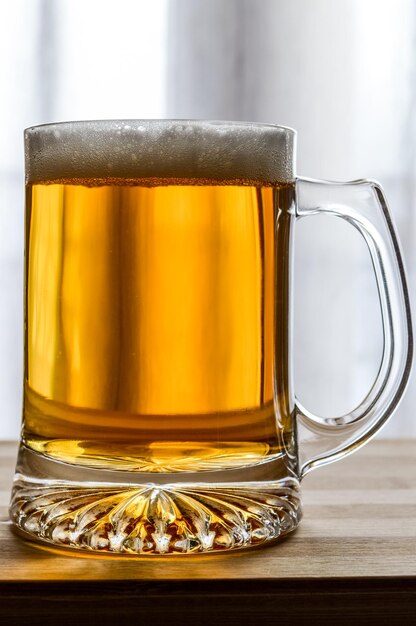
[159,410]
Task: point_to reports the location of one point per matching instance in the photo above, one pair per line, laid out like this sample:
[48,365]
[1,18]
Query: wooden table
[352,558]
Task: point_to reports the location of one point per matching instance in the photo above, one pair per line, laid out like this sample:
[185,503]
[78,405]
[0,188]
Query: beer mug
[159,408]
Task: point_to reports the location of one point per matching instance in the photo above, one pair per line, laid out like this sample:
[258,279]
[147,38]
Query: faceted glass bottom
[150,518]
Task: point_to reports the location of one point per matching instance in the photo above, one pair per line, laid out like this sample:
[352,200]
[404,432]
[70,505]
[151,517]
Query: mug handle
[361,203]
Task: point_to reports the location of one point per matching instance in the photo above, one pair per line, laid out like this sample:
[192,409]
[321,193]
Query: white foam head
[154,149]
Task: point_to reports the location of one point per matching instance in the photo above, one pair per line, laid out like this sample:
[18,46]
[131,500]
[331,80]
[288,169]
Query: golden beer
[158,406]
[154,311]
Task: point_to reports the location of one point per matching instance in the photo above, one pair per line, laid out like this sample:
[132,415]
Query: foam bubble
[140,149]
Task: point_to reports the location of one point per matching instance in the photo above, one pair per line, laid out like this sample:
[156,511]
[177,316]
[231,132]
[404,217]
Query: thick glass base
[126,512]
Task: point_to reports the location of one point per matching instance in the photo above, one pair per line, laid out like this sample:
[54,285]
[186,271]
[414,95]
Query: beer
[155,309]
[158,409]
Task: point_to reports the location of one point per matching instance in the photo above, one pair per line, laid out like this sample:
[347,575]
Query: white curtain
[343,74]
[63,60]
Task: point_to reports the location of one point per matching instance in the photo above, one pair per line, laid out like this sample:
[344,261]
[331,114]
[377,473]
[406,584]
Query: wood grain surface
[353,557]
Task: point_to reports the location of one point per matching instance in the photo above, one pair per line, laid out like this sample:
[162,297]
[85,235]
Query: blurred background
[342,73]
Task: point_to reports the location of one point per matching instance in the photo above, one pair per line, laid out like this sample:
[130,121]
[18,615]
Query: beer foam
[156,149]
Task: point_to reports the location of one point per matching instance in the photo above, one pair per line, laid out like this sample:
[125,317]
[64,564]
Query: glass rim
[162,120]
